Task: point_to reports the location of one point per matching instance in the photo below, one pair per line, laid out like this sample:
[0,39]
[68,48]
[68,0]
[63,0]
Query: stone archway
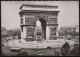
[47,17]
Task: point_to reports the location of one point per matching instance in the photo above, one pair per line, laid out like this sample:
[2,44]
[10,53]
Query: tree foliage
[6,33]
[75,50]
[15,32]
[57,53]
[65,49]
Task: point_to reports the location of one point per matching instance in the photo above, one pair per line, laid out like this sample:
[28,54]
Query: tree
[57,53]
[75,50]
[10,32]
[65,49]
[15,32]
[4,32]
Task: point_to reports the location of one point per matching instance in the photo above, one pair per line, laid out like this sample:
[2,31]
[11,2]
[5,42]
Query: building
[77,28]
[74,28]
[46,14]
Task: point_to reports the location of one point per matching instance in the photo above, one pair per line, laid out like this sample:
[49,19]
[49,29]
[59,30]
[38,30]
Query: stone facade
[47,15]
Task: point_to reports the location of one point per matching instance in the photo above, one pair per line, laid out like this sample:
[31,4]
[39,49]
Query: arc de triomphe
[46,14]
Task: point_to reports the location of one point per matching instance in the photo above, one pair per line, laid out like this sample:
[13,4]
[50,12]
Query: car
[48,47]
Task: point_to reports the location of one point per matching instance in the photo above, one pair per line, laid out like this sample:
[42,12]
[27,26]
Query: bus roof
[14,48]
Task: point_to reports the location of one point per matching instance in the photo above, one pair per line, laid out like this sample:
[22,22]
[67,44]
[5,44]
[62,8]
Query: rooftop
[38,5]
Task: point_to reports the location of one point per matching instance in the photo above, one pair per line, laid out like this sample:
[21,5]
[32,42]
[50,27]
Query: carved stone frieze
[30,21]
[53,30]
[30,31]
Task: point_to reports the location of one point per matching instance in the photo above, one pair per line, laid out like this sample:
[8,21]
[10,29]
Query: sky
[68,15]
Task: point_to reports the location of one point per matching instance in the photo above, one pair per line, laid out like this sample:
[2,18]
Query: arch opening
[41,23]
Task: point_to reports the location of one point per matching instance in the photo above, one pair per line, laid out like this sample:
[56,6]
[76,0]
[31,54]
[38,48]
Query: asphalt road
[31,52]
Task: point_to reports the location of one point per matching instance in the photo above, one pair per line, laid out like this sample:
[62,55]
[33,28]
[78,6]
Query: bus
[15,49]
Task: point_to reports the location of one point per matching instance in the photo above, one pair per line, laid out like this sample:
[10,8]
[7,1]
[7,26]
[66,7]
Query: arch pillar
[52,31]
[47,33]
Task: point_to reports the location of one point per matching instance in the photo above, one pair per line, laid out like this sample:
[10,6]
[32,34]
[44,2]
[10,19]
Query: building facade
[73,28]
[47,15]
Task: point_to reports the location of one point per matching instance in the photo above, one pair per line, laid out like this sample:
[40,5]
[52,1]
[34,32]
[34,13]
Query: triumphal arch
[46,14]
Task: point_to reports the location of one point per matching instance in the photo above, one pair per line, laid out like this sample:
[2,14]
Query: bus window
[15,49]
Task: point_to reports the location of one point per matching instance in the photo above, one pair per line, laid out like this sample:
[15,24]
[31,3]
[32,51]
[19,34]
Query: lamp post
[36,40]
[52,50]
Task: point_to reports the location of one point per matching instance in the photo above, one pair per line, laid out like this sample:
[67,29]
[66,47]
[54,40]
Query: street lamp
[52,50]
[37,44]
